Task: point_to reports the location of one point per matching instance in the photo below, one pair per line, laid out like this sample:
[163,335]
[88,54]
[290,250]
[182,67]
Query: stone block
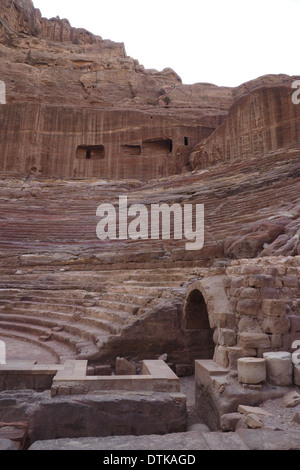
[276,325]
[248,307]
[260,280]
[228,421]
[250,269]
[218,320]
[102,414]
[77,390]
[291,399]
[297,375]
[184,370]
[124,367]
[241,424]
[246,409]
[249,340]
[279,368]
[251,370]
[231,320]
[296,417]
[234,353]
[285,293]
[290,281]
[295,322]
[237,282]
[17,432]
[249,293]
[235,292]
[216,336]
[232,303]
[226,337]
[42,382]
[102,369]
[247,323]
[253,421]
[276,341]
[221,356]
[208,367]
[206,371]
[269,292]
[273,308]
[63,390]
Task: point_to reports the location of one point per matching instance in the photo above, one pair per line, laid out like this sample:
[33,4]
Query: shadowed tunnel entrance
[197,328]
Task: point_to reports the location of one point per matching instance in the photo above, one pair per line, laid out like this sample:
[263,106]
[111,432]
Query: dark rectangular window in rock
[186,141]
[90,152]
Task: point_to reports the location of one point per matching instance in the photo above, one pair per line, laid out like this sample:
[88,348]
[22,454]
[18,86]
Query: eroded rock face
[103,143]
[20,16]
[261,121]
[49,61]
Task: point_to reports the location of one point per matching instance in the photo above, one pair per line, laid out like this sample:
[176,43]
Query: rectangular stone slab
[210,367]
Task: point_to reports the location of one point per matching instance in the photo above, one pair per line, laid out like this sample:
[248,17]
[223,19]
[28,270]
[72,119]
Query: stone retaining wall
[71,378]
[253,307]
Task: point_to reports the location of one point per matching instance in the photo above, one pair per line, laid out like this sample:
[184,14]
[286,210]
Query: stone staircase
[64,290]
[77,322]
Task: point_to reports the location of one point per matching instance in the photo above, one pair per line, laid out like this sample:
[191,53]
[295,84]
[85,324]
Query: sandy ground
[282,417]
[22,350]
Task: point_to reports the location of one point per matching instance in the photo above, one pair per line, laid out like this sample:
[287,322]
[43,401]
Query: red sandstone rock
[16,432]
[262,120]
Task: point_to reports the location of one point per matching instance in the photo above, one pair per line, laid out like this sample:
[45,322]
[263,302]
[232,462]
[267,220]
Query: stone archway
[204,310]
[196,316]
[196,327]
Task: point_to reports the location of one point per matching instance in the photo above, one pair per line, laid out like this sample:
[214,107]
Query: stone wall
[253,308]
[264,294]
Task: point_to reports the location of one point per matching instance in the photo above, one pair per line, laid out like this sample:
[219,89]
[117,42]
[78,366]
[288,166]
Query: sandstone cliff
[48,61]
[20,17]
[262,119]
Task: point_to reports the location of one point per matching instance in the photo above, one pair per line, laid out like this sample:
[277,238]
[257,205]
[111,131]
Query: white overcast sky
[226,42]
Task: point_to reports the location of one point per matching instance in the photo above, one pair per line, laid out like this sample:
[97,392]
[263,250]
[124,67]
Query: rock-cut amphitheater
[141,343]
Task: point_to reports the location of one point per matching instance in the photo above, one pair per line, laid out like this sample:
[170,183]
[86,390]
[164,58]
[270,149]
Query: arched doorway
[196,327]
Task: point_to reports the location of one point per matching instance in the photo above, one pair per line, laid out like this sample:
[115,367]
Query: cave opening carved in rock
[90,152]
[196,325]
